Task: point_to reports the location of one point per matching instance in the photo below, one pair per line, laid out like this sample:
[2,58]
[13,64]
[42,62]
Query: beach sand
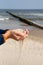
[25,52]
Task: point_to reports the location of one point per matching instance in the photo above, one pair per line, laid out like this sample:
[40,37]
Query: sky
[21,4]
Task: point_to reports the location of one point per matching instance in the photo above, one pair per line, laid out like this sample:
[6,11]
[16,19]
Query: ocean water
[34,15]
[28,13]
[24,13]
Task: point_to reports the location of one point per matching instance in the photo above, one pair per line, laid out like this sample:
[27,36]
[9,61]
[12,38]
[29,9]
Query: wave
[4,18]
[21,13]
[38,14]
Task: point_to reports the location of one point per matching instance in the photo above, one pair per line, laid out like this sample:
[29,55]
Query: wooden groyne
[29,22]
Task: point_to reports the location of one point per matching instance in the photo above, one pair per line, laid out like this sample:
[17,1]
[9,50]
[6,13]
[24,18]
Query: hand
[16,35]
[20,35]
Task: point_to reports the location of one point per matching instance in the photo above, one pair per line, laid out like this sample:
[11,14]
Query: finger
[22,38]
[20,34]
[27,31]
[15,32]
[17,37]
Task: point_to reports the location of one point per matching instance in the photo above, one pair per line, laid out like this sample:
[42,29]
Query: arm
[13,34]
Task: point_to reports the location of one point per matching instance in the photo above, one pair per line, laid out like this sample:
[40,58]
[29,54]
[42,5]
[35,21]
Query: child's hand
[16,35]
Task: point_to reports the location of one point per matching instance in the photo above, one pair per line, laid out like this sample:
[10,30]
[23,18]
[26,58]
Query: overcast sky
[21,4]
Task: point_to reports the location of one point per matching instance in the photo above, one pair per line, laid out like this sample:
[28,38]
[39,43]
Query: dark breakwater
[27,21]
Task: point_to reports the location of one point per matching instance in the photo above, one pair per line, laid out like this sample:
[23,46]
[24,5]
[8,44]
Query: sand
[25,52]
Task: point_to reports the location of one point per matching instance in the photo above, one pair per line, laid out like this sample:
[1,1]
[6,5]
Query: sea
[35,15]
